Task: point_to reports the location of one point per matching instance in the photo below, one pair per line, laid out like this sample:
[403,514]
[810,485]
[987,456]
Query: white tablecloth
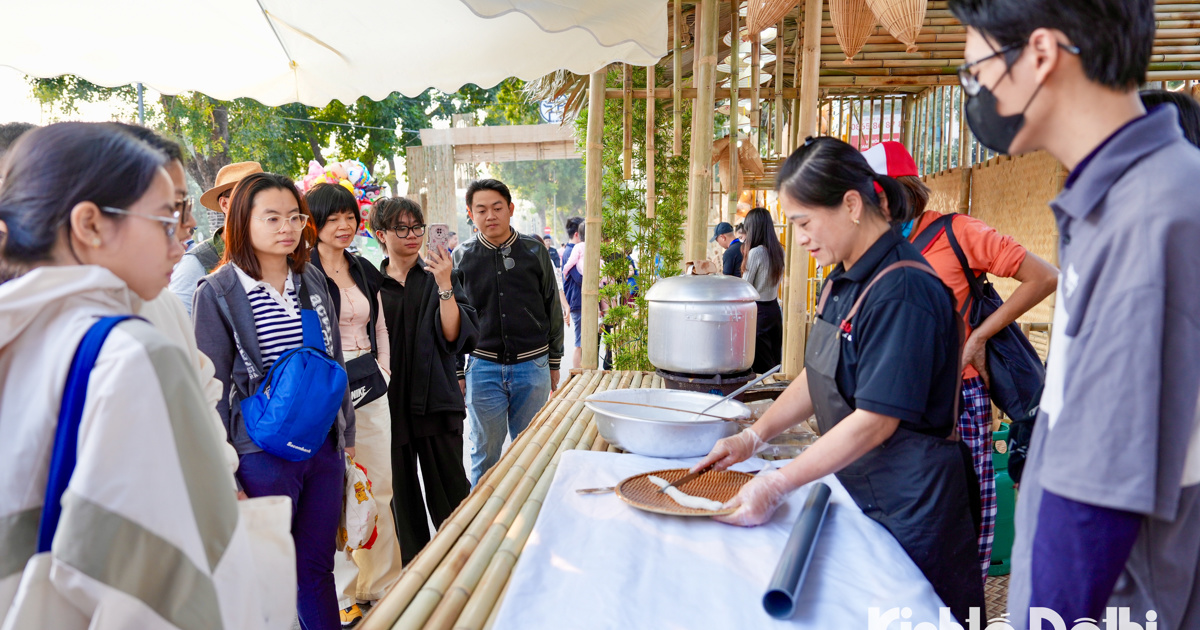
[593,561]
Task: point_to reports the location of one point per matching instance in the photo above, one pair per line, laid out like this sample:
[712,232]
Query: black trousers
[768,340]
[441,460]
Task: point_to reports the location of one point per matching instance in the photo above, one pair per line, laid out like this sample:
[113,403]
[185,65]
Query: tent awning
[283,51]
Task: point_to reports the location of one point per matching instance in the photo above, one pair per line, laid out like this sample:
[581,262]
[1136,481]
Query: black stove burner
[720,384]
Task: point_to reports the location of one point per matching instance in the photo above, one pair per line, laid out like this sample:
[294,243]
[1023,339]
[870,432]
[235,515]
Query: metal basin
[663,432]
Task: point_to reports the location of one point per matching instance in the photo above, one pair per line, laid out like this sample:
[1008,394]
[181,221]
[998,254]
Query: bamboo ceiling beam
[703,110]
[594,220]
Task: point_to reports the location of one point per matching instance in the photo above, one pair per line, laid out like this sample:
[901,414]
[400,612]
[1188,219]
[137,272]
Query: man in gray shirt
[1108,520]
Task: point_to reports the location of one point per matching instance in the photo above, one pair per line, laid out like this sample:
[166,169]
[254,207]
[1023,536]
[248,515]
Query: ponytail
[824,169]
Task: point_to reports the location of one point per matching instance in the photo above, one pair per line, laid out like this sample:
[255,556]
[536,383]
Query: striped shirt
[276,317]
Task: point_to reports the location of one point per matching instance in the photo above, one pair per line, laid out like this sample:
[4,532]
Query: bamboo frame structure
[700,192]
[594,221]
[677,81]
[627,120]
[651,198]
[797,307]
[779,52]
[731,177]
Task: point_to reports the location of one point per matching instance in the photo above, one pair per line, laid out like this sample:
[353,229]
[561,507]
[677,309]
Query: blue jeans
[577,319]
[315,487]
[501,397]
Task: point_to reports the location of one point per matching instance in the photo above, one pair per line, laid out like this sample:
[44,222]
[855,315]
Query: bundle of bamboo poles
[459,578]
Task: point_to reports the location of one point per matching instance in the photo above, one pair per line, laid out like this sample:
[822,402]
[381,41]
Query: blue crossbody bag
[297,402]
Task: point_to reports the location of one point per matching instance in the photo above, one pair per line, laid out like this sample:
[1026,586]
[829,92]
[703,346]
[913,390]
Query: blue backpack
[297,401]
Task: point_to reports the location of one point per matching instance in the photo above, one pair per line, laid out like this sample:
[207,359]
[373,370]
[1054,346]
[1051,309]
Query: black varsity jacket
[513,289]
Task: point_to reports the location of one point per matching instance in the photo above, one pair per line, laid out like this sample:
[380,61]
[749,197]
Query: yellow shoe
[351,616]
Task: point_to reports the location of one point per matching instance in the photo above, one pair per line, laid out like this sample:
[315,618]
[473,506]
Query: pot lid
[712,288]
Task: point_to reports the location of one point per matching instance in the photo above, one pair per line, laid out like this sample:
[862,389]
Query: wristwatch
[448,294]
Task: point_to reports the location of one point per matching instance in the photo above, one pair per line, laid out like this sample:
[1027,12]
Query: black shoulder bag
[366,379]
[1015,372]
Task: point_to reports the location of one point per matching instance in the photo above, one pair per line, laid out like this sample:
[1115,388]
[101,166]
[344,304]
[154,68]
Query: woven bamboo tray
[641,493]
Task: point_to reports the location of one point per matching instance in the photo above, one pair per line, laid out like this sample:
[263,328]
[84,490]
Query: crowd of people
[220,391]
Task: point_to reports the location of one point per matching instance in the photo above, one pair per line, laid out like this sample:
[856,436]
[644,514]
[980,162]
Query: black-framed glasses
[508,262]
[170,225]
[970,82]
[403,230]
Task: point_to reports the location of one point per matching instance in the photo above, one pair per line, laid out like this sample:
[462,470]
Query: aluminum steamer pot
[656,432]
[702,324]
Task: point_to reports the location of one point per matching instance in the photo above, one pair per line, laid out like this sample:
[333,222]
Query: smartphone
[439,236]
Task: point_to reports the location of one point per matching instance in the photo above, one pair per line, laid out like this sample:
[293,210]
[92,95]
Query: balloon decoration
[351,174]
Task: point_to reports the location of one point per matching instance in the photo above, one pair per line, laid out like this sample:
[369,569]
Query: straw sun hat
[227,178]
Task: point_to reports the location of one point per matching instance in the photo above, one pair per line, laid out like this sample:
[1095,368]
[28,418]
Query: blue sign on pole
[551,111]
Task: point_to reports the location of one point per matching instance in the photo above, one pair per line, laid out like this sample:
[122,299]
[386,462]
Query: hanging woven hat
[902,18]
[761,14]
[853,22]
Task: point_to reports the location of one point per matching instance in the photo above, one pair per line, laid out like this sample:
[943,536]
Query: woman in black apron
[881,374]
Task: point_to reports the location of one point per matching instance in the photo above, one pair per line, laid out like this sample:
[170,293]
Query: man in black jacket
[509,280]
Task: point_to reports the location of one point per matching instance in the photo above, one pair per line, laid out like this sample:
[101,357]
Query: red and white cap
[892,159]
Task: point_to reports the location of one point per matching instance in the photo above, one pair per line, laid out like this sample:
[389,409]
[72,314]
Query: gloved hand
[733,449]
[758,500]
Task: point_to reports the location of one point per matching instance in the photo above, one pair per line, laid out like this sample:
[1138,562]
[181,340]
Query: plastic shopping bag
[359,511]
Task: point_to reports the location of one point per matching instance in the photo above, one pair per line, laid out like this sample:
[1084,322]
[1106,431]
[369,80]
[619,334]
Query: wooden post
[593,221]
[627,120]
[797,307]
[731,178]
[677,81]
[964,156]
[703,110]
[779,148]
[651,199]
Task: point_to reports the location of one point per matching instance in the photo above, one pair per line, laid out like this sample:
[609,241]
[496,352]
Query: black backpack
[1015,370]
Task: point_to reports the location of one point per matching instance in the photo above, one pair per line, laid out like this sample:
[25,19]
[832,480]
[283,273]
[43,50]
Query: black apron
[913,484]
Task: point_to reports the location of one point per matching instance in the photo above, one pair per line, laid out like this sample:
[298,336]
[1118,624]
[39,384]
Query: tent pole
[594,220]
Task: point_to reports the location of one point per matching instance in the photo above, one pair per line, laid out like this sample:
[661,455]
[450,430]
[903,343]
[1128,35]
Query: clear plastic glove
[733,449]
[757,500]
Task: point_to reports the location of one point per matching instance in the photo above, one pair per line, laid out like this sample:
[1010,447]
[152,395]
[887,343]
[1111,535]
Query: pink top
[355,315]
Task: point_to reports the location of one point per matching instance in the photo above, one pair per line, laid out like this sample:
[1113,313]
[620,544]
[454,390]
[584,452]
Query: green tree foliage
[554,187]
[217,132]
[655,243]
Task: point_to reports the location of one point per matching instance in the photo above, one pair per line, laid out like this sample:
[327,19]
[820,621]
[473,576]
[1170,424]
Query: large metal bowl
[656,432]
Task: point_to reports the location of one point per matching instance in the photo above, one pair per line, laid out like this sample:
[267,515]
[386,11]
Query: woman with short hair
[367,574]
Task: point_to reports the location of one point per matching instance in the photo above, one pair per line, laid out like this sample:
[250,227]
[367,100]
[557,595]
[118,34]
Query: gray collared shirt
[1118,425]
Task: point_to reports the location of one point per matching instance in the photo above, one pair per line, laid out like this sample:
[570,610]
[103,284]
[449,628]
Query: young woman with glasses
[247,315]
[429,324]
[89,221]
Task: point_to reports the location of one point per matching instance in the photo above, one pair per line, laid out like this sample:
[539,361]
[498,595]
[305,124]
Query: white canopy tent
[283,51]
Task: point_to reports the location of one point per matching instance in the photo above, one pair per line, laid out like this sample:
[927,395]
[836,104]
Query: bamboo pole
[793,352]
[734,175]
[651,198]
[700,196]
[964,157]
[444,547]
[779,148]
[677,81]
[448,587]
[627,121]
[594,221]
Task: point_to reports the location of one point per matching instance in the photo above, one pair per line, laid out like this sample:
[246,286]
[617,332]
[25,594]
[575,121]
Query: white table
[593,561]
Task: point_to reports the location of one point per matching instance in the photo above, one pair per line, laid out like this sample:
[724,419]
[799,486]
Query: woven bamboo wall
[945,188]
[1011,195]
